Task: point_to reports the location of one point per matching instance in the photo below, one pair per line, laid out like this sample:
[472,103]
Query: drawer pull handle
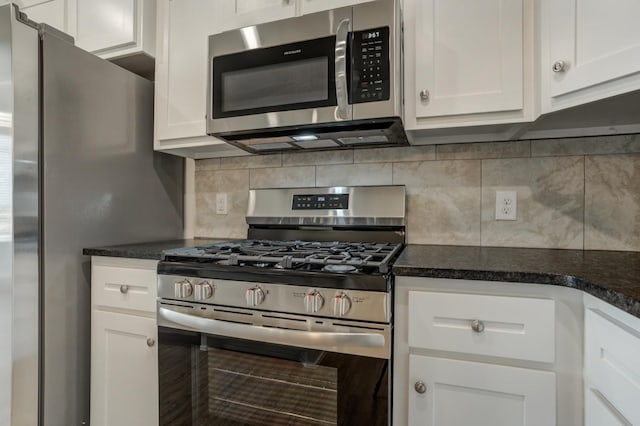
[124,289]
[150,342]
[420,387]
[477,326]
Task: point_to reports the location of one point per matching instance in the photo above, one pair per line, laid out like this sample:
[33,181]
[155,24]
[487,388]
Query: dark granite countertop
[613,276]
[148,250]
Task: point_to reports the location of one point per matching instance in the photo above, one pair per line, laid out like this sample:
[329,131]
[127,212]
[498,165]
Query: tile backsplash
[572,193]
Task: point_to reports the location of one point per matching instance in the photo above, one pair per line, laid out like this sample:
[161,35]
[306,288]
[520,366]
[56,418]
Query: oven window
[278,84]
[207,380]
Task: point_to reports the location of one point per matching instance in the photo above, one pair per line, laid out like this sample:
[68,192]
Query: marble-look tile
[401,153]
[443,201]
[251,161]
[480,150]
[341,156]
[612,207]
[354,174]
[236,184]
[209,164]
[611,144]
[550,205]
[283,177]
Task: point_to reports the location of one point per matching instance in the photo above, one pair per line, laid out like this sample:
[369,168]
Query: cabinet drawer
[124,283]
[612,351]
[511,327]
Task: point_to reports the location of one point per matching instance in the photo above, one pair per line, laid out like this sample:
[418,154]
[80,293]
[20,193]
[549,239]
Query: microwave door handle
[343,110]
[315,339]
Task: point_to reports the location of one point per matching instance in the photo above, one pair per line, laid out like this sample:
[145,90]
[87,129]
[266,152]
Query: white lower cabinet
[449,392]
[598,411]
[486,354]
[124,370]
[124,350]
[611,368]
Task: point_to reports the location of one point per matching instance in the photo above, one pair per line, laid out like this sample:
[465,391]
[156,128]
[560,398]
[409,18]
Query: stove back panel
[364,207]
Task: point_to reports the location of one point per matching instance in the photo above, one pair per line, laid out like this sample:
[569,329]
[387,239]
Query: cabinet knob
[150,342]
[477,326]
[124,289]
[424,94]
[420,387]
[559,66]
[286,2]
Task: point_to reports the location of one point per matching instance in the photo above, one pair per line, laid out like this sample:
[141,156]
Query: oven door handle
[314,339]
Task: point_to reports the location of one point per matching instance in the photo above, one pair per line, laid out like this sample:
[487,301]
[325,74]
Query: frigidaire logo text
[292,52]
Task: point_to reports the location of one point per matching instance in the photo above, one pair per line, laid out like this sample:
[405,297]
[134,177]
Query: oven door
[227,372]
[278,74]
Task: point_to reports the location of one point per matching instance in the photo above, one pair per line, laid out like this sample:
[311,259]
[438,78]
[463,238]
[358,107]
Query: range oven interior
[292,326]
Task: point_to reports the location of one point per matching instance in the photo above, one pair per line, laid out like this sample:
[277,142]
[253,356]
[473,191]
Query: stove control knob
[203,290]
[183,289]
[313,301]
[341,304]
[255,296]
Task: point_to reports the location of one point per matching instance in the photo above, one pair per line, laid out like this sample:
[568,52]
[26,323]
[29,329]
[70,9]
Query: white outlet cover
[221,203]
[506,205]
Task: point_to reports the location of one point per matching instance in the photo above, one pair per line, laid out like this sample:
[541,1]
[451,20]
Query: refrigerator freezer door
[102,184]
[19,266]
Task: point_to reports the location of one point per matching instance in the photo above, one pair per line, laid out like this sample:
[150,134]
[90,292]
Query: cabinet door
[181,66]
[462,393]
[468,56]
[311,6]
[598,41]
[106,23]
[243,13]
[124,370]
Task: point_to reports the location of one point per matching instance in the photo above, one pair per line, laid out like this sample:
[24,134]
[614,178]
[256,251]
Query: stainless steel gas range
[292,326]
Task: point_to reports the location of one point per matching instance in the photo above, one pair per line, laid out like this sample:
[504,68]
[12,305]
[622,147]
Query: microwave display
[370,73]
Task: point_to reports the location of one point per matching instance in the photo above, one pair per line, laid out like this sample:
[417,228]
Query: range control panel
[370,74]
[321,201]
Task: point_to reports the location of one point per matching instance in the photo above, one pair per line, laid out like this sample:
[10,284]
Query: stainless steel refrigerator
[77,169]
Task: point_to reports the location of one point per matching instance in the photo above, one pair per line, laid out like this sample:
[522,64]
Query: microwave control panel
[370,74]
[321,201]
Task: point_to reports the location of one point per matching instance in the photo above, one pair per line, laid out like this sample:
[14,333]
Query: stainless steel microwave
[326,80]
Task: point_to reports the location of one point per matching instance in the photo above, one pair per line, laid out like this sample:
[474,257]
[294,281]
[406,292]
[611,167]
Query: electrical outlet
[221,203]
[506,205]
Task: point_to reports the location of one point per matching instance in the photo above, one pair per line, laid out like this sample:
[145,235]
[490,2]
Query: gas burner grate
[293,254]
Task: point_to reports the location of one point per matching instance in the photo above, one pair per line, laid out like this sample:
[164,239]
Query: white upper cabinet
[311,6]
[468,62]
[51,12]
[243,13]
[181,67]
[108,28]
[590,50]
[181,73]
[112,28]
